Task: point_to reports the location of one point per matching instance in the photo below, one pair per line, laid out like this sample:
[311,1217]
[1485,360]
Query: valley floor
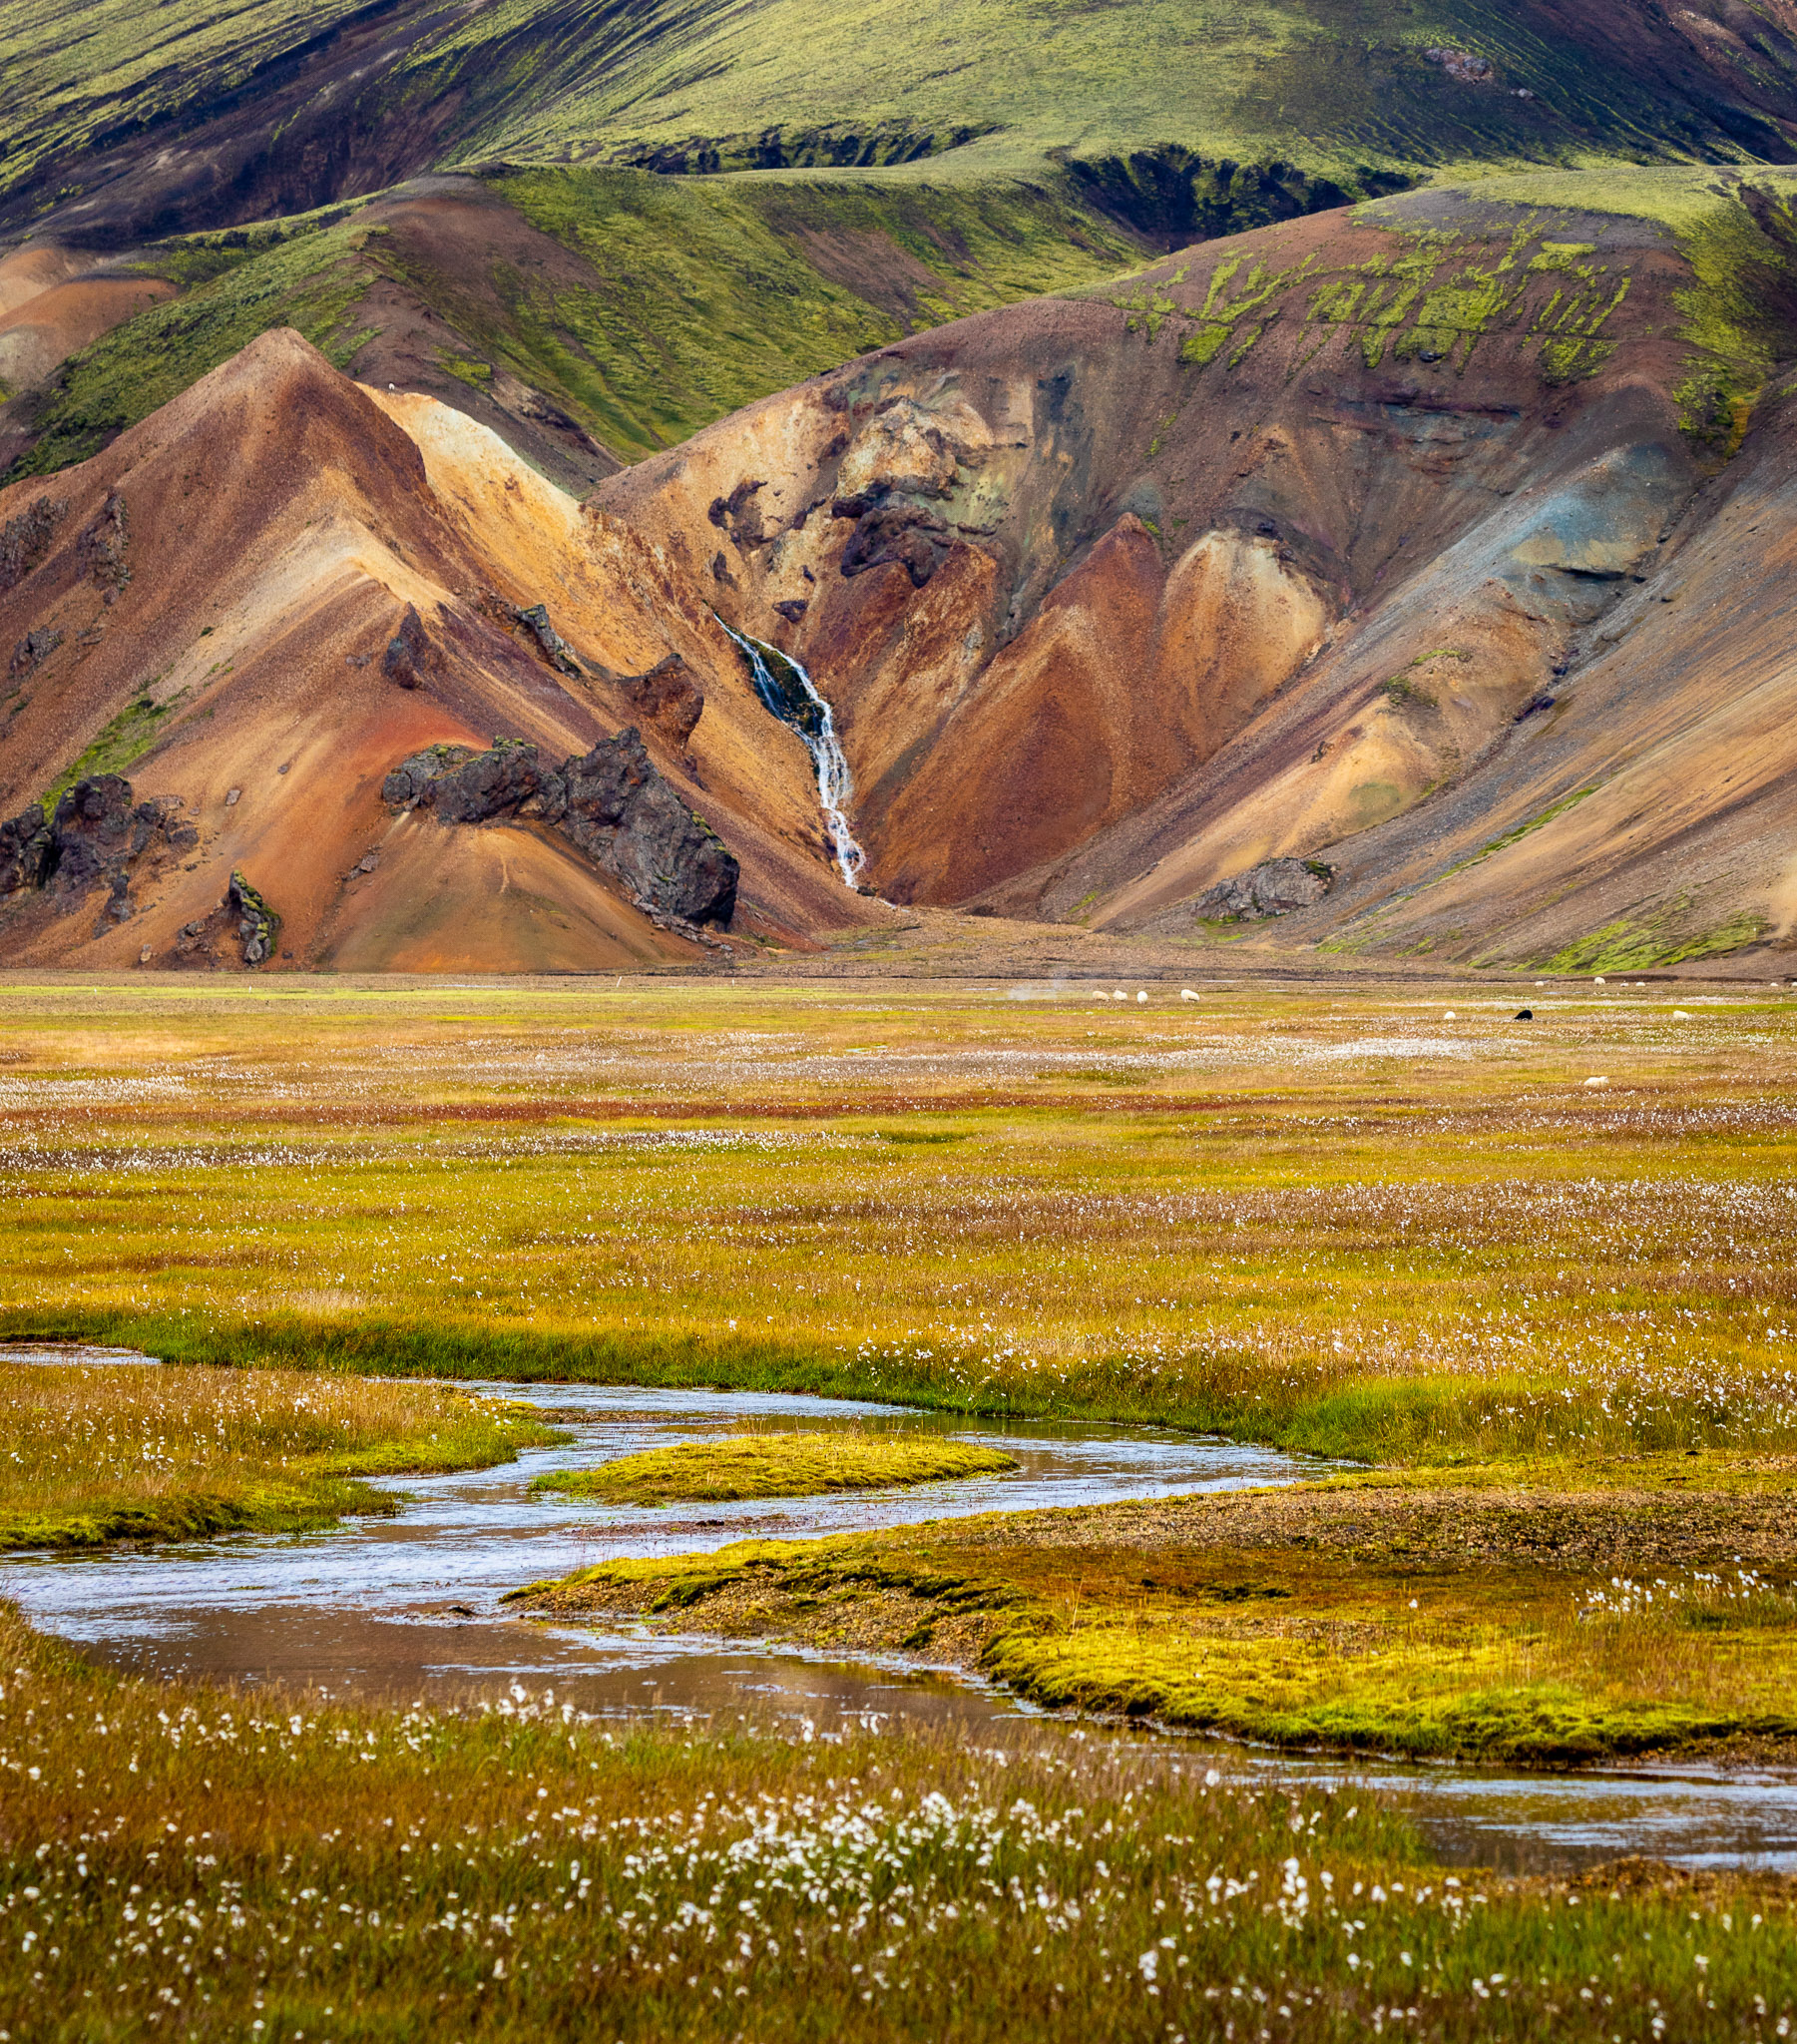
[1525,1286]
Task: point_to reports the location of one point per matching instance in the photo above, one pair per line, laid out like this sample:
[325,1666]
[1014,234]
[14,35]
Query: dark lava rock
[95,837]
[740,515]
[35,647]
[25,849]
[100,832]
[25,540]
[257,923]
[792,609]
[410,656]
[535,619]
[467,788]
[1274,888]
[103,544]
[626,817]
[613,803]
[667,697]
[1461,65]
[409,781]
[909,534]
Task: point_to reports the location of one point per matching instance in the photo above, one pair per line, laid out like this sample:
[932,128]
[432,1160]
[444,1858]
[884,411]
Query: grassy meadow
[1322,1216]
[92,1454]
[1528,1284]
[773,1465]
[1511,1626]
[201,1864]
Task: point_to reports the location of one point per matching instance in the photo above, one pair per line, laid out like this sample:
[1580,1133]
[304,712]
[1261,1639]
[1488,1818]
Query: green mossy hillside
[690,297]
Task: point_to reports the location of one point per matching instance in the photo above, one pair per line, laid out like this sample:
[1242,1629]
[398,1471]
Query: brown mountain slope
[1343,542]
[1117,596]
[206,607]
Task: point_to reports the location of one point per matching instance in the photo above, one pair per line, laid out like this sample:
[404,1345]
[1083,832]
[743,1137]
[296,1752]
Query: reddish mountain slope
[1116,597]
[208,610]
[1438,543]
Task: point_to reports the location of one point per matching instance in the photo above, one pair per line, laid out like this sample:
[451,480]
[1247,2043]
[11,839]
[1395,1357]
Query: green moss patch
[776,1465]
[1426,1622]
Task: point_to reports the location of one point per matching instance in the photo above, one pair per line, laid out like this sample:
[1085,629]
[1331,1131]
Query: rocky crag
[611,803]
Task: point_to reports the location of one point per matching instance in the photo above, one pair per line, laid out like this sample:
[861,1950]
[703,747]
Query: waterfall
[785,689]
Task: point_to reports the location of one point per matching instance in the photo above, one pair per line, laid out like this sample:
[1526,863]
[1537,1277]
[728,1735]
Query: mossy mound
[776,1465]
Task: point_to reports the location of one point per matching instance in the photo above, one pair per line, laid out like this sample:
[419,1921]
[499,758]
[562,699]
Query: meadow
[202,1864]
[1320,1215]
[1527,1284]
[101,1453]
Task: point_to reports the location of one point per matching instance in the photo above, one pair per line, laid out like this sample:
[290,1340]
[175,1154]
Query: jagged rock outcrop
[34,648]
[613,803]
[96,837]
[257,923]
[535,619]
[1274,888]
[410,656]
[24,850]
[104,545]
[667,697]
[25,539]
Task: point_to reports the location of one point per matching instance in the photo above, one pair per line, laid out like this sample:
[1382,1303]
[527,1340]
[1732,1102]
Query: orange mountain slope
[1433,551]
[207,604]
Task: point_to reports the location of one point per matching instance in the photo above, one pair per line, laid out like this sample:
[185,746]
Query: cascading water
[785,689]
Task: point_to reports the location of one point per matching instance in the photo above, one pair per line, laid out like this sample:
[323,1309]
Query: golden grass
[1490,1626]
[185,1862]
[775,1465]
[1320,1215]
[94,1453]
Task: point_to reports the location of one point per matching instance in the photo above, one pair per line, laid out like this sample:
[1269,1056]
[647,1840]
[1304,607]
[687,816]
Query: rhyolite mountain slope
[811,179]
[1440,546]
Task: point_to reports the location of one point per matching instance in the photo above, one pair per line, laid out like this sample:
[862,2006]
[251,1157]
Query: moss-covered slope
[139,121]
[590,316]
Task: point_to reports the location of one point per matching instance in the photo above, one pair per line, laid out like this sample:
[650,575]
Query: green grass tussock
[775,1465]
[190,1862]
[102,1453]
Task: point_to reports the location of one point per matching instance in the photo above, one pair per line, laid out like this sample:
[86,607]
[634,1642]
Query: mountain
[121,122]
[596,226]
[1415,569]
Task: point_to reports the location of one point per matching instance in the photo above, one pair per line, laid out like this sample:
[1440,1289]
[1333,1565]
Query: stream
[408,1608]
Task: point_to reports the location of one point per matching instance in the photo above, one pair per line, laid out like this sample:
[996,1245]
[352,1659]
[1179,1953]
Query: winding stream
[405,1606]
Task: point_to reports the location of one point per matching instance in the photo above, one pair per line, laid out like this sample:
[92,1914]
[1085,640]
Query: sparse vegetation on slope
[685,298]
[775,1465]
